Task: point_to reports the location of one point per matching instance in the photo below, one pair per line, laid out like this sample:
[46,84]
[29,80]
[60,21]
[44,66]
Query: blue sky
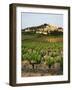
[35,19]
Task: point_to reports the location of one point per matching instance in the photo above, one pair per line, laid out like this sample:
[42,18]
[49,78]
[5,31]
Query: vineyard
[41,54]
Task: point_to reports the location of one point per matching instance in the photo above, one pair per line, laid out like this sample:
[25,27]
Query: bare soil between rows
[49,72]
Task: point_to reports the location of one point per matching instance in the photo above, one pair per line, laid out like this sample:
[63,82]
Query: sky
[35,19]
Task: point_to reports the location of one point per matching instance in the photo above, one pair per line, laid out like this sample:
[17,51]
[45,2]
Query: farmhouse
[27,30]
[60,29]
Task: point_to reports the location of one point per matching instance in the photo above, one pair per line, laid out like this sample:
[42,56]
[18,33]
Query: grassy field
[42,54]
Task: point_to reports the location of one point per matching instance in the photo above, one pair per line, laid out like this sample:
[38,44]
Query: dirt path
[29,73]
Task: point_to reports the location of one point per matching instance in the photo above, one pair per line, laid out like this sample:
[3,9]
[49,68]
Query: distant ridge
[44,29]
